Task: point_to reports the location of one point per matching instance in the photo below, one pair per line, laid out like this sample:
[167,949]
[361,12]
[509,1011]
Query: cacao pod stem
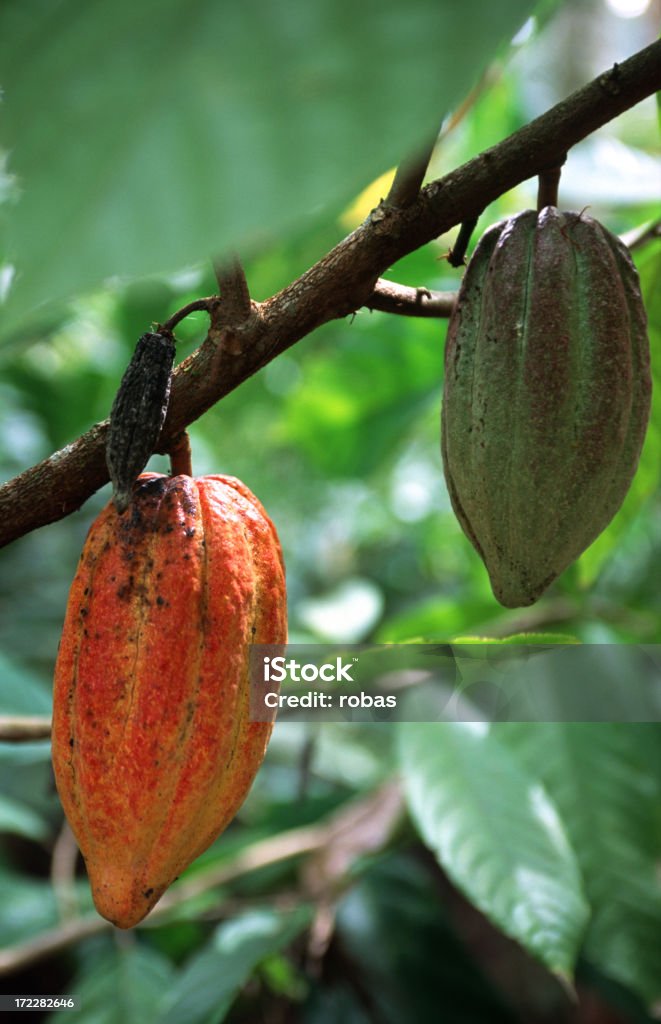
[181,457]
[138,412]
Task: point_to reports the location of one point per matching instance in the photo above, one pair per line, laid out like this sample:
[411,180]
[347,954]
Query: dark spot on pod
[147,893]
[160,600]
[71,742]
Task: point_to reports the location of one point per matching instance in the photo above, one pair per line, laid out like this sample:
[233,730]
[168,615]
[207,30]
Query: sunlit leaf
[172,133]
[498,835]
[605,779]
[209,983]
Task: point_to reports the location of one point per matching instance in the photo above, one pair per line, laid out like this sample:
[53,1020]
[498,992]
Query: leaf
[209,983]
[21,693]
[174,131]
[28,907]
[519,639]
[120,986]
[498,836]
[605,779]
[21,820]
[373,385]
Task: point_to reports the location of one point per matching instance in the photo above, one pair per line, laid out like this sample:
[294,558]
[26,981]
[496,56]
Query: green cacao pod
[153,747]
[546,395]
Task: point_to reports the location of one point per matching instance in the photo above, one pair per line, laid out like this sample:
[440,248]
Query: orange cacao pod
[153,749]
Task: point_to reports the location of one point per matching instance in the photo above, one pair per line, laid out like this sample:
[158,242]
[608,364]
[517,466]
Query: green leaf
[22,693]
[519,639]
[21,820]
[498,836]
[374,384]
[172,132]
[120,986]
[209,983]
[28,907]
[605,778]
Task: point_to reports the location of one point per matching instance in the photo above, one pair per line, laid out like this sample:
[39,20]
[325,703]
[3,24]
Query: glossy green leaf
[172,133]
[605,779]
[120,985]
[210,981]
[498,835]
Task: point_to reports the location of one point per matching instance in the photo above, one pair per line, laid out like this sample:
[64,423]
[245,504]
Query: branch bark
[336,286]
[389,297]
[24,728]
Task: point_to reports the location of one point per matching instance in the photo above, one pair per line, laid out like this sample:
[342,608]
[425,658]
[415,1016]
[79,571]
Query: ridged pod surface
[153,750]
[546,395]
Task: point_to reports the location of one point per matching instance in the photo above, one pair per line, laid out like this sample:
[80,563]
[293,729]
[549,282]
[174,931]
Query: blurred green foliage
[553,831]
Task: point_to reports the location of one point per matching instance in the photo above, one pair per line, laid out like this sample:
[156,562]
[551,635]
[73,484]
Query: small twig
[409,178]
[191,307]
[235,304]
[547,187]
[181,458]
[24,728]
[390,297]
[305,764]
[63,872]
[641,236]
[457,254]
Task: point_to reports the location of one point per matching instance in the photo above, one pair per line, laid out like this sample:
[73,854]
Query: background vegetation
[522,863]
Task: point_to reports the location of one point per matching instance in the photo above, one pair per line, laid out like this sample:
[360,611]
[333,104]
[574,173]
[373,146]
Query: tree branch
[336,286]
[390,297]
[24,728]
[640,237]
[409,178]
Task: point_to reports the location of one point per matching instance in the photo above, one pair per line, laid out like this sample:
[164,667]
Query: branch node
[390,297]
[235,306]
[181,314]
[409,177]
